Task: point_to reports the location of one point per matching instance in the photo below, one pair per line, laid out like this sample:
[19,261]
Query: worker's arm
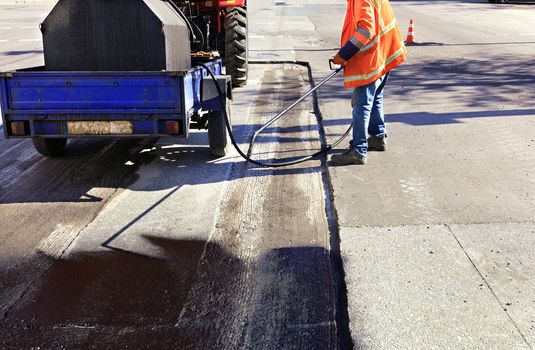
[364,29]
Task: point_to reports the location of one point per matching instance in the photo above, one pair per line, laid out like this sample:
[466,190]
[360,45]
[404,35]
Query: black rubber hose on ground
[248,158]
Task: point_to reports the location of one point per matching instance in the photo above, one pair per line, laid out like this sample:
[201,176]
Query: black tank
[115,35]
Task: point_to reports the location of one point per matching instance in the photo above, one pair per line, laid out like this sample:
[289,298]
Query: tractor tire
[50,147]
[236,45]
[218,138]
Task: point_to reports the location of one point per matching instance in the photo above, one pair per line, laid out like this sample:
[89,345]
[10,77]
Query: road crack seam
[341,307]
[502,305]
[341,303]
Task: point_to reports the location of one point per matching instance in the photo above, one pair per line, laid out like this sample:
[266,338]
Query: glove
[337,59]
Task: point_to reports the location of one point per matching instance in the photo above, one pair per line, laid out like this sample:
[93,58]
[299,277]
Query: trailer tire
[218,137]
[236,45]
[50,147]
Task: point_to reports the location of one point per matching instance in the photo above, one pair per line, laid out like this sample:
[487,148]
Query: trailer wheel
[236,45]
[50,147]
[218,138]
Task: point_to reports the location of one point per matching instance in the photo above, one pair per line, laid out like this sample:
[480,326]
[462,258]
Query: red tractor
[220,25]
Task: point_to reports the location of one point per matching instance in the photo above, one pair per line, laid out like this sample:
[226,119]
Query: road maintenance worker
[371,47]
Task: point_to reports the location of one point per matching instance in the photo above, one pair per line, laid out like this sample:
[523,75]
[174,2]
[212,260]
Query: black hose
[184,17]
[202,36]
[247,157]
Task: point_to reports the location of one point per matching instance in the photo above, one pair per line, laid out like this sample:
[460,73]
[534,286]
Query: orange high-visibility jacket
[370,27]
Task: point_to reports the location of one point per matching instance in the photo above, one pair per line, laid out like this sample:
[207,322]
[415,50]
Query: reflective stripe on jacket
[371,27]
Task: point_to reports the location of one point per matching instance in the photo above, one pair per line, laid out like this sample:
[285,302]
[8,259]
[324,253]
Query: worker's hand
[337,59]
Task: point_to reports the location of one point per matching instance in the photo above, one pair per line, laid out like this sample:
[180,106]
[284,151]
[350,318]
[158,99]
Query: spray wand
[247,156]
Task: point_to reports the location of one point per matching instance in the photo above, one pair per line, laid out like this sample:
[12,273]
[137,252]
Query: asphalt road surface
[155,244]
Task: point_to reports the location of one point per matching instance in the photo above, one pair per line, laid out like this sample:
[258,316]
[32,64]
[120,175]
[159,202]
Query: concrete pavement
[428,228]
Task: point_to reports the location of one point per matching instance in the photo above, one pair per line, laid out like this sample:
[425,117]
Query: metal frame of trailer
[39,103]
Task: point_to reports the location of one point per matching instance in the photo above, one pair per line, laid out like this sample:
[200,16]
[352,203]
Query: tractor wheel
[236,45]
[50,147]
[218,138]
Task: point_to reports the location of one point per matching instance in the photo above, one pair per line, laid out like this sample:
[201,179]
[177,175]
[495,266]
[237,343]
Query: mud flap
[210,98]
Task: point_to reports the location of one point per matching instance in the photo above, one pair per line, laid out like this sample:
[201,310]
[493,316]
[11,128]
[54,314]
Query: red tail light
[172,127]
[18,129]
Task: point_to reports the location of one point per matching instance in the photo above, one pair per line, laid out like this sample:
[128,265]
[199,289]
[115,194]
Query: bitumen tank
[115,35]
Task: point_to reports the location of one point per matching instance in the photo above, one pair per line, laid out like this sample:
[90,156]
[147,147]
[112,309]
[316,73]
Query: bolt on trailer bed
[52,106]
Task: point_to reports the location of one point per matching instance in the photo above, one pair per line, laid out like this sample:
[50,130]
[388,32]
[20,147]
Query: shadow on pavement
[118,299]
[491,6]
[86,164]
[476,84]
[24,52]
[471,44]
[110,297]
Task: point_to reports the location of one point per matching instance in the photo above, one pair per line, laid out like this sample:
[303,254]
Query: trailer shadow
[102,163]
[97,163]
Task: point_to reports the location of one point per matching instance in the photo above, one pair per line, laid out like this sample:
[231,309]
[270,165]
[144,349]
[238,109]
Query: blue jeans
[368,114]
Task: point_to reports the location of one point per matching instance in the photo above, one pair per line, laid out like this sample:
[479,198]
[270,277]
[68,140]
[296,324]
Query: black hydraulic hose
[202,35]
[184,17]
[271,121]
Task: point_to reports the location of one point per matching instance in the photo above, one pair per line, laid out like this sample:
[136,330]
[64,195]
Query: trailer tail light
[18,128]
[172,127]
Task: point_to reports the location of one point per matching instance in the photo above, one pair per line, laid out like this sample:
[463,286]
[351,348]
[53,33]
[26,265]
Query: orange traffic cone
[410,34]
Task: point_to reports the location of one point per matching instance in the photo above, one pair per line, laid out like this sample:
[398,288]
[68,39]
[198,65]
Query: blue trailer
[53,106]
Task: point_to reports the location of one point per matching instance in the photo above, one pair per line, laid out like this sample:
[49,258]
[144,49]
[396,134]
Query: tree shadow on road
[475,83]
[22,52]
[489,88]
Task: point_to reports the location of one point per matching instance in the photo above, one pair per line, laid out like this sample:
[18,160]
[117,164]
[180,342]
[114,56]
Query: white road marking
[27,40]
[526,34]
[3,41]
[6,27]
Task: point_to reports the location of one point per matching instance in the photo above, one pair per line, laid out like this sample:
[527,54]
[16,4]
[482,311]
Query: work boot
[349,156]
[377,143]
